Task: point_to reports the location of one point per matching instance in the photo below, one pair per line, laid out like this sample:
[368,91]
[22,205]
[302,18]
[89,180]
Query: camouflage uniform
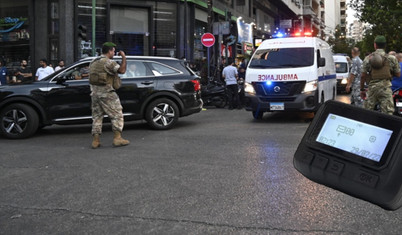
[356,71]
[379,90]
[105,100]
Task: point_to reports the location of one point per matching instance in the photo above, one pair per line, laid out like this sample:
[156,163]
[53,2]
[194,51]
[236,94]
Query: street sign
[207,39]
[223,51]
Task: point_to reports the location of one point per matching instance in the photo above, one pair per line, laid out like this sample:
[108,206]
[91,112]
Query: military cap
[109,44]
[380,39]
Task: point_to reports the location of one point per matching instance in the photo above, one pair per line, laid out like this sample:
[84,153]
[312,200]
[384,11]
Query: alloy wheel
[14,121]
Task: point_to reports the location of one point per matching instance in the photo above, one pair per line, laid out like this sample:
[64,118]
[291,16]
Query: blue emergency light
[269,83]
[278,35]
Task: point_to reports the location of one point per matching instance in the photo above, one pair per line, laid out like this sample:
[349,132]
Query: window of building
[129,29]
[84,27]
[14,33]
[54,32]
[164,19]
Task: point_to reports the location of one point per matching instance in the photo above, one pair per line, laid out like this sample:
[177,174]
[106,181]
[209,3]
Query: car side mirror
[321,62]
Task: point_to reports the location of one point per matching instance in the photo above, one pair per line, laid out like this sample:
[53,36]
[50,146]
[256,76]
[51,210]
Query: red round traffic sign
[207,39]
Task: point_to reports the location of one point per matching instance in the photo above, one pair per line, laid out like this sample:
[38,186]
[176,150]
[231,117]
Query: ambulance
[342,72]
[290,74]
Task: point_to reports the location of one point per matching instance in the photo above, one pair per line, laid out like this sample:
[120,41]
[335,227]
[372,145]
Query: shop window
[84,27]
[164,18]
[129,28]
[14,33]
[54,32]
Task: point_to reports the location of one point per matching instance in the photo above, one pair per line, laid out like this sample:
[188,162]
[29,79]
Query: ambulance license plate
[276,106]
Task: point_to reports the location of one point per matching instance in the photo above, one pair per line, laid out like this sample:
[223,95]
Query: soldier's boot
[96,141]
[118,141]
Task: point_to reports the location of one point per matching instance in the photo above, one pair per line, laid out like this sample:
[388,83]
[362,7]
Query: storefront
[15,33]
[62,29]
[137,27]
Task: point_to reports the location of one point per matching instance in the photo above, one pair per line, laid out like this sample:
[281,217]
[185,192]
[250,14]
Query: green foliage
[385,18]
[339,43]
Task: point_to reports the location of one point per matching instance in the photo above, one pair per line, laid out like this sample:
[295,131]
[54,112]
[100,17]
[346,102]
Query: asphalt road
[217,172]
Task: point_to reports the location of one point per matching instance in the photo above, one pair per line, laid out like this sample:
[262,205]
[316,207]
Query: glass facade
[14,33]
[165,28]
[84,27]
[138,28]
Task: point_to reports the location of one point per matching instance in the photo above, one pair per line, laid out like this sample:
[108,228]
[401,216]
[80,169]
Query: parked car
[157,89]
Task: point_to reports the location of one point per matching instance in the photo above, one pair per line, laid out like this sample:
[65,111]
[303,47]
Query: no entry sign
[207,39]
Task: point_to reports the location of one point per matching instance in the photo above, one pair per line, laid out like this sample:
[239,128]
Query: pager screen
[356,137]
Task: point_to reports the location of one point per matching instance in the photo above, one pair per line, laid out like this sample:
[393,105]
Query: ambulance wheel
[333,94]
[322,98]
[258,115]
[18,121]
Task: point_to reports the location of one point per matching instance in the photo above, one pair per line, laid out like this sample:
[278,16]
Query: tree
[385,18]
[339,42]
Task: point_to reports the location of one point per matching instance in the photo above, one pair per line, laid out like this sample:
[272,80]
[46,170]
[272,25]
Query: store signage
[248,48]
[9,24]
[285,24]
[208,39]
[223,51]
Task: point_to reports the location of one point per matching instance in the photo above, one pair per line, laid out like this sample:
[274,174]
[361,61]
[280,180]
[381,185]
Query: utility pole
[209,29]
[185,29]
[93,27]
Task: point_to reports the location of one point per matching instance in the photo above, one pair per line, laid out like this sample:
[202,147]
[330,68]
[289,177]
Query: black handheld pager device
[356,151]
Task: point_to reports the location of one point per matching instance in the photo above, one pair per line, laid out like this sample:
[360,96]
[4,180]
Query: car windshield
[341,67]
[283,58]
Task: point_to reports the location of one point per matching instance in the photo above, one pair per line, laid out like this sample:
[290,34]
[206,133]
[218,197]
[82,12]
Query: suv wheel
[162,114]
[18,121]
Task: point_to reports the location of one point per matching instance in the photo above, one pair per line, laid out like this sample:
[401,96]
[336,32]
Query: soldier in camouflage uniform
[354,78]
[103,71]
[379,68]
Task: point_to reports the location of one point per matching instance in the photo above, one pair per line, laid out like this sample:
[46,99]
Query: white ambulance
[342,72]
[288,74]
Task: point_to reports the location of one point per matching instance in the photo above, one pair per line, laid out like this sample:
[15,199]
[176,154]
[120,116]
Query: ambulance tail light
[249,88]
[310,86]
[303,34]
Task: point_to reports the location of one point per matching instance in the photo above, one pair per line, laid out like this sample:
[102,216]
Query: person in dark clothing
[24,74]
[240,82]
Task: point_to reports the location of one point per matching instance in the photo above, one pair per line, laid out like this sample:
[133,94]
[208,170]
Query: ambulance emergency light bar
[297,34]
[356,151]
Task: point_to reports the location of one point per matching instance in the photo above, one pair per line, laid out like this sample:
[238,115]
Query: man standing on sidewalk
[230,75]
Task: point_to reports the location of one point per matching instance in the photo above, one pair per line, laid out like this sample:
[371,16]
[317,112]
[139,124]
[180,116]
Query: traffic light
[82,32]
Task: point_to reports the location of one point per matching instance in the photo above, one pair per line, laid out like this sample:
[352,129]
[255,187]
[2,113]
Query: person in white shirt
[230,75]
[60,66]
[43,71]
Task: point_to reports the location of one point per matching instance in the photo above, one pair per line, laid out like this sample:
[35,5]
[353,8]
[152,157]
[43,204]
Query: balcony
[308,10]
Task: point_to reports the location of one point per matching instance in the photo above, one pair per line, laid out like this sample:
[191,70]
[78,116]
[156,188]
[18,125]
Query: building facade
[332,16]
[68,30]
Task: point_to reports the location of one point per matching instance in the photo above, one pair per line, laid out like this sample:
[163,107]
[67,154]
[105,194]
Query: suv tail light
[197,85]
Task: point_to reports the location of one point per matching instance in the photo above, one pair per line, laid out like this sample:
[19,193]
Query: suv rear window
[162,69]
[283,58]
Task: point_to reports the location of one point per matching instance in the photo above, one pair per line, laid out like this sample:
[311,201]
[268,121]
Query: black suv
[157,89]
